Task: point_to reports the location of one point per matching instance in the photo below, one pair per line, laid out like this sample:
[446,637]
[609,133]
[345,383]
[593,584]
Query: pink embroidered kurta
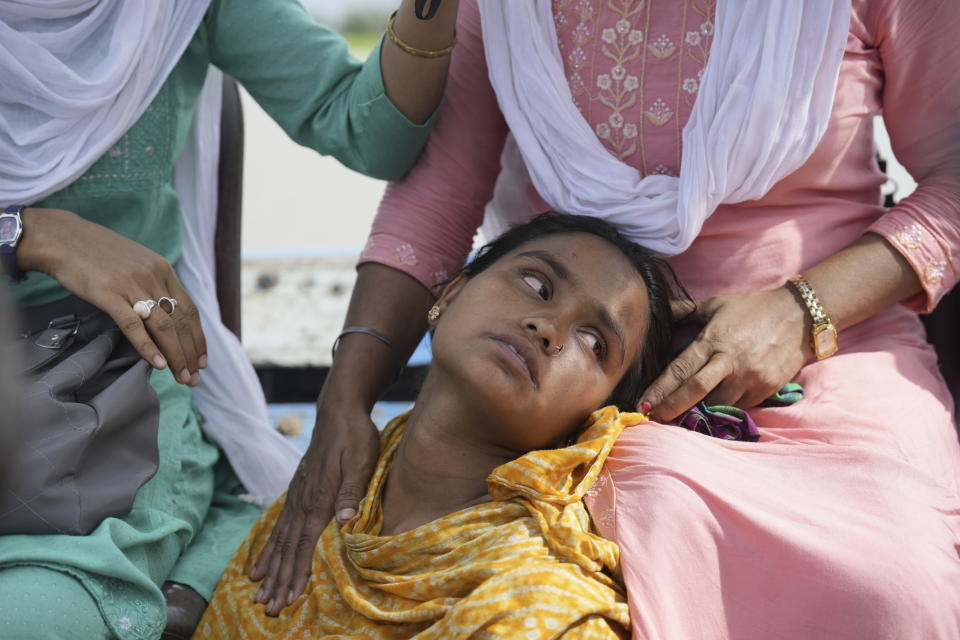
[844,520]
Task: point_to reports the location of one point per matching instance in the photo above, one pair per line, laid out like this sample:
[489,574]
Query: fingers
[295,557]
[348,501]
[745,390]
[685,365]
[290,560]
[695,388]
[281,568]
[132,327]
[187,317]
[289,569]
[302,567]
[259,570]
[176,333]
[356,466]
[163,328]
[756,395]
[296,566]
[113,273]
[328,479]
[287,527]
[286,561]
[727,393]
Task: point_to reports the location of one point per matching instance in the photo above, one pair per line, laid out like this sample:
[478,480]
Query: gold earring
[433,314]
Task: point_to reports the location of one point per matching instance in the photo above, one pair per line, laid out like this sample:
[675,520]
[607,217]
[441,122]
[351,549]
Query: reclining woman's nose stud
[559,349]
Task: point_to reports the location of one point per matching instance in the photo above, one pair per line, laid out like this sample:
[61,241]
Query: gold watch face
[824,340]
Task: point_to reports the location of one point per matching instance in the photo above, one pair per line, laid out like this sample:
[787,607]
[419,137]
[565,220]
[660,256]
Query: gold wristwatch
[823,337]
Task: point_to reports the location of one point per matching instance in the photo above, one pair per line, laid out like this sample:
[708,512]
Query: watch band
[823,338]
[810,299]
[8,250]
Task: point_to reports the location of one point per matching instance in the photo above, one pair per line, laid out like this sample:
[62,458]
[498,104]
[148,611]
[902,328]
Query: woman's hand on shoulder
[751,345]
[112,273]
[331,479]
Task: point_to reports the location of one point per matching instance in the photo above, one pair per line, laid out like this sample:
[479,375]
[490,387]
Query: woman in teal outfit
[110,234]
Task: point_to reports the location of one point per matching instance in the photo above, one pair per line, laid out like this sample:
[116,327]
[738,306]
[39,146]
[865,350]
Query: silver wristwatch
[11,229]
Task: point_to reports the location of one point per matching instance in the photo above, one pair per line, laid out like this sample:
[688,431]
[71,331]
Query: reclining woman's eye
[537,284]
[594,343]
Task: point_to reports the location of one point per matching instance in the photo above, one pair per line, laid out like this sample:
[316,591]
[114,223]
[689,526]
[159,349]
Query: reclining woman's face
[541,338]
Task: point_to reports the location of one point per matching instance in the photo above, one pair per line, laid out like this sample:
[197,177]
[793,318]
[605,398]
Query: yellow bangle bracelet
[420,53]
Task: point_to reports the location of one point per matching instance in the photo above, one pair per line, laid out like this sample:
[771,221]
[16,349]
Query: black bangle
[432,11]
[367,331]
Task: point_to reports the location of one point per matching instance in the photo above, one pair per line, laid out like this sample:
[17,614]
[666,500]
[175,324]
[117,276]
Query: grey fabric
[10,394]
[87,440]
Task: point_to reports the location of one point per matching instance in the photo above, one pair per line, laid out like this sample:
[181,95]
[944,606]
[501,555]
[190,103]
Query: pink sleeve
[917,41]
[426,223]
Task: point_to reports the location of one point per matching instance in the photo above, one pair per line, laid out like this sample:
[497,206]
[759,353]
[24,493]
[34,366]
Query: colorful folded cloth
[730,423]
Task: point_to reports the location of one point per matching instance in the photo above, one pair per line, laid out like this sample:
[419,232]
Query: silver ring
[144,308]
[171,302]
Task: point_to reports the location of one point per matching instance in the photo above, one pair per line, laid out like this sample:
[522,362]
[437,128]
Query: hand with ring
[132,284]
[144,308]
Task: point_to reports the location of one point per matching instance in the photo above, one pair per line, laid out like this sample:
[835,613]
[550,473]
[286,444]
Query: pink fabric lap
[882,393]
[733,540]
[842,522]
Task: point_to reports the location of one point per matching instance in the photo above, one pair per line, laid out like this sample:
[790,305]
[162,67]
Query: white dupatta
[763,105]
[75,75]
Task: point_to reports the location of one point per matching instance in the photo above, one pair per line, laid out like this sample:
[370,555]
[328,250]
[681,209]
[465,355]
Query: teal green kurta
[188,520]
[297,70]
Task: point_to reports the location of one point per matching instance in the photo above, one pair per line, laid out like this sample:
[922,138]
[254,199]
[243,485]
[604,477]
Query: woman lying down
[473,524]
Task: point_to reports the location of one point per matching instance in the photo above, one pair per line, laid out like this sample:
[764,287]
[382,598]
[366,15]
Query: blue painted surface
[306,412]
[422,355]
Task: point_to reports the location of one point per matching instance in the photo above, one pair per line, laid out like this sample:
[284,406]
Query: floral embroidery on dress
[617,89]
[598,485]
[606,510]
[910,236]
[658,113]
[663,47]
[578,58]
[697,43]
[127,608]
[581,34]
[607,518]
[634,70]
[405,255]
[933,274]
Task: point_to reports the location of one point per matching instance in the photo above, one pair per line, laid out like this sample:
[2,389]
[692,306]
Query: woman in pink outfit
[843,521]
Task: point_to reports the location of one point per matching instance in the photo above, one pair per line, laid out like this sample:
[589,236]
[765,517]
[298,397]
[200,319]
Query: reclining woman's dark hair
[659,278]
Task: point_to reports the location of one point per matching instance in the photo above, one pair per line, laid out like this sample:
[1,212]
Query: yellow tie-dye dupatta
[526,565]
